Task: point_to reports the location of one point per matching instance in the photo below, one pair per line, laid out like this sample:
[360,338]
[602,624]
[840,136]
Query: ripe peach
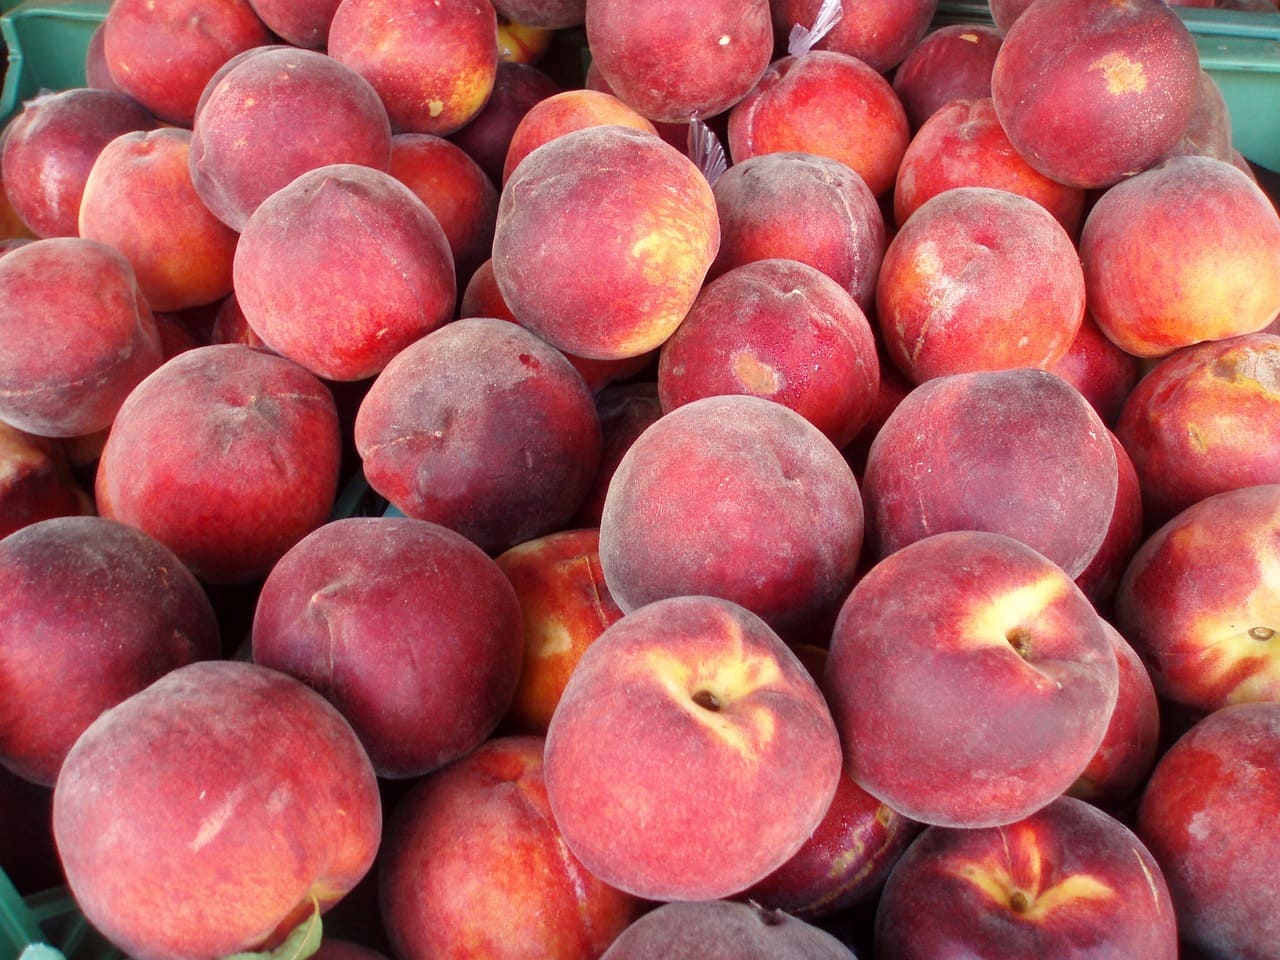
[1103,372]
[736,497]
[487,136]
[306,110]
[320,271]
[805,207]
[781,330]
[701,685]
[227,455]
[433,64]
[982,699]
[484,428]
[952,62]
[78,334]
[36,481]
[625,202]
[1018,452]
[880,33]
[1092,91]
[674,60]
[545,14]
[1209,132]
[302,23]
[1184,252]
[827,103]
[1101,577]
[625,410]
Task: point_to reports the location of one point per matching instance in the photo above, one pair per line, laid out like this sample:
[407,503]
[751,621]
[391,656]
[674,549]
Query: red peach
[36,481]
[487,136]
[952,62]
[880,33]
[302,23]
[1103,372]
[625,410]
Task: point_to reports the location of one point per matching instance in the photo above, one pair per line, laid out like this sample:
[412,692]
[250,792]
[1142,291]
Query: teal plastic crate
[47,42]
[1241,51]
[47,926]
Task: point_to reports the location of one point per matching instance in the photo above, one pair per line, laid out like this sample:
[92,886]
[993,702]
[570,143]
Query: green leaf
[302,941]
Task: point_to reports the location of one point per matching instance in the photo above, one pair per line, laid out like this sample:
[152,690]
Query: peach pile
[592,479]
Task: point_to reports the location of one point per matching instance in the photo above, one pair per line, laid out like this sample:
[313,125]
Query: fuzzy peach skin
[1185,252]
[91,611]
[487,136]
[782,330]
[951,62]
[978,278]
[320,270]
[433,64]
[604,237]
[1068,881]
[1200,601]
[36,481]
[806,207]
[1204,420]
[1100,579]
[306,110]
[702,686]
[226,454]
[474,864]
[625,410]
[1208,814]
[962,144]
[212,811]
[1018,452]
[79,336]
[880,33]
[827,103]
[50,146]
[408,628]
[564,605]
[736,497]
[673,60]
[1093,91]
[1099,369]
[971,680]
[139,198]
[302,23]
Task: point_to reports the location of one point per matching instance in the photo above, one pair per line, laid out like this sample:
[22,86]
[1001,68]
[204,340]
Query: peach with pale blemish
[952,62]
[1184,252]
[977,279]
[1018,452]
[782,330]
[433,64]
[703,686]
[1200,601]
[1093,91]
[1204,420]
[565,605]
[627,204]
[1068,881]
[984,697]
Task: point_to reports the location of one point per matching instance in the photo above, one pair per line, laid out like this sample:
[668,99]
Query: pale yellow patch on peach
[548,638]
[969,37]
[755,376]
[1121,74]
[1014,608]
[1244,641]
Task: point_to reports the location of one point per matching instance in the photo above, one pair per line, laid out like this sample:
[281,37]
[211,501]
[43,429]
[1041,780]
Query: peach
[163,56]
[1092,91]
[188,826]
[487,136]
[307,110]
[826,103]
[49,149]
[227,455]
[97,75]
[1103,372]
[455,189]
[781,330]
[1018,452]
[1185,252]
[952,62]
[624,202]
[703,686]
[320,273]
[673,59]
[1207,814]
[982,699]
[564,112]
[1209,131]
[433,65]
[880,33]
[806,207]
[1199,601]
[474,864]
[139,198]
[963,145]
[78,334]
[301,23]
[724,930]
[1203,421]
[408,628]
[978,278]
[36,481]
[1005,12]
[545,14]
[1067,881]
[483,428]
[625,410]
[1125,533]
[231,326]
[736,497]
[565,605]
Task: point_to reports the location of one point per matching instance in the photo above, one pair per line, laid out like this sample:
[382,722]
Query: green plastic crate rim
[47,926]
[47,42]
[1241,51]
